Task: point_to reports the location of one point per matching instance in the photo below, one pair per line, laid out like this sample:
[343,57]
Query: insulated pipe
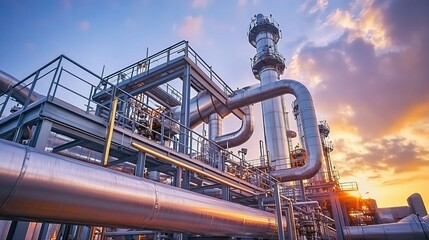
[40,186]
[241,135]
[254,94]
[215,126]
[204,105]
[309,123]
[267,66]
[274,122]
[20,93]
[411,227]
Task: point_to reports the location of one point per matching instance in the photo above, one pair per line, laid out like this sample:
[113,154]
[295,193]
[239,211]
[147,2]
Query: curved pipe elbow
[309,122]
[203,105]
[241,135]
[200,108]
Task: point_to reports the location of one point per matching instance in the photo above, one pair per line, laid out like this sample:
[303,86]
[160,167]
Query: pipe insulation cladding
[41,186]
[256,93]
[20,93]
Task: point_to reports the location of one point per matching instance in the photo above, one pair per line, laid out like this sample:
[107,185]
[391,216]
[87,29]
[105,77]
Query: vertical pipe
[141,162]
[277,200]
[110,131]
[338,215]
[291,226]
[215,130]
[274,124]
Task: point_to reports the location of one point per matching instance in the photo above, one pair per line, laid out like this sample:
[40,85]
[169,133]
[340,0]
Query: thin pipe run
[188,167]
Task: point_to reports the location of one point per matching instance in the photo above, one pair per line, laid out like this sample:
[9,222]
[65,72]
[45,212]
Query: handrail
[228,160]
[183,49]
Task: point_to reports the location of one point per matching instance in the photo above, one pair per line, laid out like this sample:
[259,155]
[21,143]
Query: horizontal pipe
[128,233]
[307,203]
[411,227]
[40,186]
[20,93]
[188,167]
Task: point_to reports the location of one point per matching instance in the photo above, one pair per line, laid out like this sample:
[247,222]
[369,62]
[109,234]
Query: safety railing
[65,79]
[349,186]
[207,69]
[52,80]
[163,57]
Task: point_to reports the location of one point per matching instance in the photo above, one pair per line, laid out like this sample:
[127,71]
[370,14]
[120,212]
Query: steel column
[277,200]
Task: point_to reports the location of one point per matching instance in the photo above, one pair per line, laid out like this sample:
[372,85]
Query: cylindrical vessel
[274,124]
[268,64]
[41,186]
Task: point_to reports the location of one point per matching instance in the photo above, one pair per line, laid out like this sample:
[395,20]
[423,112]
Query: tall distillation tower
[267,66]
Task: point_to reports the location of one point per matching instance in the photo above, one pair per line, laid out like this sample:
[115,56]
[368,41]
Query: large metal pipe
[40,186]
[204,104]
[254,94]
[20,93]
[240,136]
[309,123]
[411,227]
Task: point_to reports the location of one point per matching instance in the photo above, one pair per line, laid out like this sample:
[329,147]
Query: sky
[364,61]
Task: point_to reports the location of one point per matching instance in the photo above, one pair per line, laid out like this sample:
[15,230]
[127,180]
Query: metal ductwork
[40,186]
[411,227]
[20,93]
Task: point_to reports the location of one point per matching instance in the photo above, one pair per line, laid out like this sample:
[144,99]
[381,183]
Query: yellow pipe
[187,167]
[109,133]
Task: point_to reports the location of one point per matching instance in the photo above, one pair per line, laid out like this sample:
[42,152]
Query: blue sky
[365,62]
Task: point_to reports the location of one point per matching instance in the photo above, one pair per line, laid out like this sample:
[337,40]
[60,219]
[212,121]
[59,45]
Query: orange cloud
[368,25]
[416,114]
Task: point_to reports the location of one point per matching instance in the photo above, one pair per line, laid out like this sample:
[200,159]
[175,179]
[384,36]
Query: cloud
[399,181]
[201,3]
[314,6]
[371,83]
[368,25]
[191,28]
[381,157]
[385,90]
[84,25]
